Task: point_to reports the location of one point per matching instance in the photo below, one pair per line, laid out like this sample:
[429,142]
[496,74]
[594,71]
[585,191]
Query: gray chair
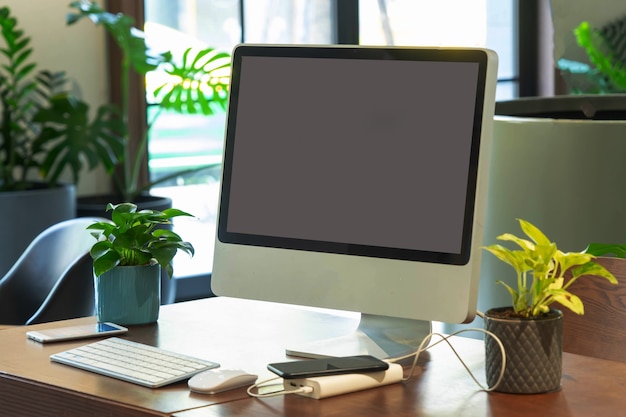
[53,278]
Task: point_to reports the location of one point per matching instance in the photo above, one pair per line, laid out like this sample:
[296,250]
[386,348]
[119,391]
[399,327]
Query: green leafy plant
[133,238]
[542,272]
[44,130]
[609,249]
[606,51]
[197,84]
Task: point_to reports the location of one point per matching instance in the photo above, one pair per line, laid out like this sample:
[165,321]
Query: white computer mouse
[220,380]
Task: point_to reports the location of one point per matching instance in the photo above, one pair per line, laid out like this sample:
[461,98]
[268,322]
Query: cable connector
[328,386]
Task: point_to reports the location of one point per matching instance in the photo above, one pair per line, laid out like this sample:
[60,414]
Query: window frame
[137,106]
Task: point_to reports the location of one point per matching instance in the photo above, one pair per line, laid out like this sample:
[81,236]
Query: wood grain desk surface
[249,335]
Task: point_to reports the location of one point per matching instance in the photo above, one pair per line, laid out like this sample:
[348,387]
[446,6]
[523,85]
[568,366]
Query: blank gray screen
[354,151]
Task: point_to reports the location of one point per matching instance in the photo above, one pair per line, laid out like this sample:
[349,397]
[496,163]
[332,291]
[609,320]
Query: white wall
[79,50]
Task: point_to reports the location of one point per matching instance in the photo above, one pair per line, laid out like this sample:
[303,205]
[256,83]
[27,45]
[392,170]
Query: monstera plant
[197,82]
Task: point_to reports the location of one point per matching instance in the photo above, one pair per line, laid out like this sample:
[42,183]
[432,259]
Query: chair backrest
[53,269]
[72,296]
[601,331]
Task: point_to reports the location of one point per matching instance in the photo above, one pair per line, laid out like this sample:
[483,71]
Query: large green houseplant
[197,83]
[44,129]
[127,258]
[45,133]
[530,329]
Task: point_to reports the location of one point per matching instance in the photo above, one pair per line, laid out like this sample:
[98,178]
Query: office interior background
[528,35]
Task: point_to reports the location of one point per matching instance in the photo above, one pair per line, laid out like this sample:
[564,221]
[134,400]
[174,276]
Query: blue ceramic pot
[129,295]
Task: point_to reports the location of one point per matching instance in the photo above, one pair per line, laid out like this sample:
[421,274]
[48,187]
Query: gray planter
[534,352]
[25,214]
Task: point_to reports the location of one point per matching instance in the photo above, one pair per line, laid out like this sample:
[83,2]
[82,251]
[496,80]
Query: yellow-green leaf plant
[541,272]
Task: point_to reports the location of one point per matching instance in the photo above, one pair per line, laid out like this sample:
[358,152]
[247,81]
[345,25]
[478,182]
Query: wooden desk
[248,335]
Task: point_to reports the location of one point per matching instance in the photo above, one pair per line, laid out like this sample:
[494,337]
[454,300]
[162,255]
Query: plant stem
[125,81]
[141,151]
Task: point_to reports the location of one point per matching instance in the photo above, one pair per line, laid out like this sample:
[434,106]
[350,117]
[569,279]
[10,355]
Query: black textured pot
[534,352]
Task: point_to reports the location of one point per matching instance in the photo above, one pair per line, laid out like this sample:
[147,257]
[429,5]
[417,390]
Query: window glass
[181,141]
[287,21]
[473,23]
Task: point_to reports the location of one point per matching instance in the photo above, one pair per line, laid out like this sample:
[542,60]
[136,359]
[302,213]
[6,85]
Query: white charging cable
[446,338]
[415,355]
[283,391]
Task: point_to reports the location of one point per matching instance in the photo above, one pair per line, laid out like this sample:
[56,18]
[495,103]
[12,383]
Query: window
[179,141]
[472,23]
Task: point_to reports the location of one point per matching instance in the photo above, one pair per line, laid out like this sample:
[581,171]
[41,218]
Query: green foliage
[130,40]
[602,54]
[600,249]
[74,140]
[199,84]
[541,272]
[605,50]
[132,239]
[44,129]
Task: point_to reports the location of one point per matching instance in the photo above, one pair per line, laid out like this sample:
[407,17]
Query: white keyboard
[133,362]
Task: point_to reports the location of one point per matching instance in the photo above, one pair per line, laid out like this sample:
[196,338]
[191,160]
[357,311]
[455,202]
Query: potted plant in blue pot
[531,330]
[127,260]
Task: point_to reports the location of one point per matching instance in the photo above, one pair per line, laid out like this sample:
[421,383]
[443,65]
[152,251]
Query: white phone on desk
[75,332]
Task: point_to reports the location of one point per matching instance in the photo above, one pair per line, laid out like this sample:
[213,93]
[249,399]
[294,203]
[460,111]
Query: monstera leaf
[199,85]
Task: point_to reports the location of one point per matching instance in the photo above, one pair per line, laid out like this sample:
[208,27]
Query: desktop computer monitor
[354,178]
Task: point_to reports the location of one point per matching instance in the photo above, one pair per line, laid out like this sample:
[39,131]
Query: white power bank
[328,386]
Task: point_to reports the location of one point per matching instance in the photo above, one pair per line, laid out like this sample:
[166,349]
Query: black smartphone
[328,366]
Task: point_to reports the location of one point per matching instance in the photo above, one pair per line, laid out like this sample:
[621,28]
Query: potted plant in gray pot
[530,329]
[45,133]
[127,261]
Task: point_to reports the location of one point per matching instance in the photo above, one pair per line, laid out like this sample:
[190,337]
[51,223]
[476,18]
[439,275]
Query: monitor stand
[379,336]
